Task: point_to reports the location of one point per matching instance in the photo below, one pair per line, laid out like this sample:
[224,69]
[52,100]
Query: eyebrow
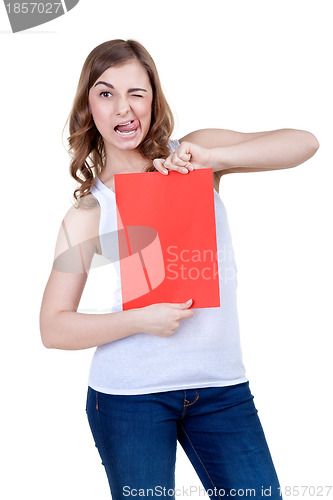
[112,87]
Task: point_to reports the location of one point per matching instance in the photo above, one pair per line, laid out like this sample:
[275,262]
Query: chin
[128,143]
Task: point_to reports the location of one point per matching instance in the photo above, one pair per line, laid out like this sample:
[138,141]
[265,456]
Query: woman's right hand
[163,319]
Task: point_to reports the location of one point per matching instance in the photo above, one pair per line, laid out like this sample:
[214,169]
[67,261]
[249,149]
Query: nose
[123,106]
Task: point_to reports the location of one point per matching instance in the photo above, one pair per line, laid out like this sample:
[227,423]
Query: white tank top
[204,351]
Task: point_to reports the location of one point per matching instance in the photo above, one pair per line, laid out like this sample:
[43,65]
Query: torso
[203,352]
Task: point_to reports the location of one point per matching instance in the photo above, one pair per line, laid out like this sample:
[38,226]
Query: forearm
[279,149]
[72,330]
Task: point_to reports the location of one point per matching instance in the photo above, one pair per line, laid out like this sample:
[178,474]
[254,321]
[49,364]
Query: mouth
[127,128]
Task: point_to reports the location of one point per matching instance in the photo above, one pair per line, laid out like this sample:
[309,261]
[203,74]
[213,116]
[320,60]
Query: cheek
[146,110]
[95,111]
[98,114]
[94,104]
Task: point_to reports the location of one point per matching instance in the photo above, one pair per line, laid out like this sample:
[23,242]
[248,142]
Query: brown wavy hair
[86,145]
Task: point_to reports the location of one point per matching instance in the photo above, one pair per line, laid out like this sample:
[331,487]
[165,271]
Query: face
[120,95]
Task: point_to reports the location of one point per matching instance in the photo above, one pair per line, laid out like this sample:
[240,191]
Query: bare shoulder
[80,225]
[217,137]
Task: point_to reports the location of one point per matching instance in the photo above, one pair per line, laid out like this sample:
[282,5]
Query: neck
[120,161]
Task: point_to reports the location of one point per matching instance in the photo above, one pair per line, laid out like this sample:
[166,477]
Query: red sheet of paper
[167,238]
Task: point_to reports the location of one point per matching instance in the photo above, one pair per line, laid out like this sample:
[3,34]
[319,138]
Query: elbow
[311,143]
[47,344]
[46,334]
[309,139]
[314,143]
[46,338]
[308,145]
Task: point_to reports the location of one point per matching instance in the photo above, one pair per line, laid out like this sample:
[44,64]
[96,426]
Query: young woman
[160,373]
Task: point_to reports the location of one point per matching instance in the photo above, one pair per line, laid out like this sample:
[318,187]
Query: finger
[180,158]
[182,305]
[186,163]
[159,165]
[186,314]
[184,156]
[176,164]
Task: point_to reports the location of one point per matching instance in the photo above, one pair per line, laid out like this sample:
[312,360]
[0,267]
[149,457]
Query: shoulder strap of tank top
[172,145]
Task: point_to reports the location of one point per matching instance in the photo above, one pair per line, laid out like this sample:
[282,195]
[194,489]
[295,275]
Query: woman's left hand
[187,156]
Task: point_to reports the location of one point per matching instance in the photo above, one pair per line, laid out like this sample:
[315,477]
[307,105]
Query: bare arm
[61,326]
[280,149]
[232,151]
[229,151]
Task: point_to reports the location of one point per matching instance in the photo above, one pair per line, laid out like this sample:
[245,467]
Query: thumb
[187,304]
[182,305]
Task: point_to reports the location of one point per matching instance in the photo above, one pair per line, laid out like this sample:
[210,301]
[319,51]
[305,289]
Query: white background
[241,65]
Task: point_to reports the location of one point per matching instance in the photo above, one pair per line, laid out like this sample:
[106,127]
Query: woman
[163,372]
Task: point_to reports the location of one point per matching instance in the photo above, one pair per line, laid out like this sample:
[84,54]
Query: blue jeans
[218,428]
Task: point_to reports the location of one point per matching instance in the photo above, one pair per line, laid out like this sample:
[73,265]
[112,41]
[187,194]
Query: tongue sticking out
[128,128]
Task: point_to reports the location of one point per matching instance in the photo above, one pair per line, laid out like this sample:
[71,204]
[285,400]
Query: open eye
[105,92]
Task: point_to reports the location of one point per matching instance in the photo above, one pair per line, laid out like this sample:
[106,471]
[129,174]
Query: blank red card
[167,238]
